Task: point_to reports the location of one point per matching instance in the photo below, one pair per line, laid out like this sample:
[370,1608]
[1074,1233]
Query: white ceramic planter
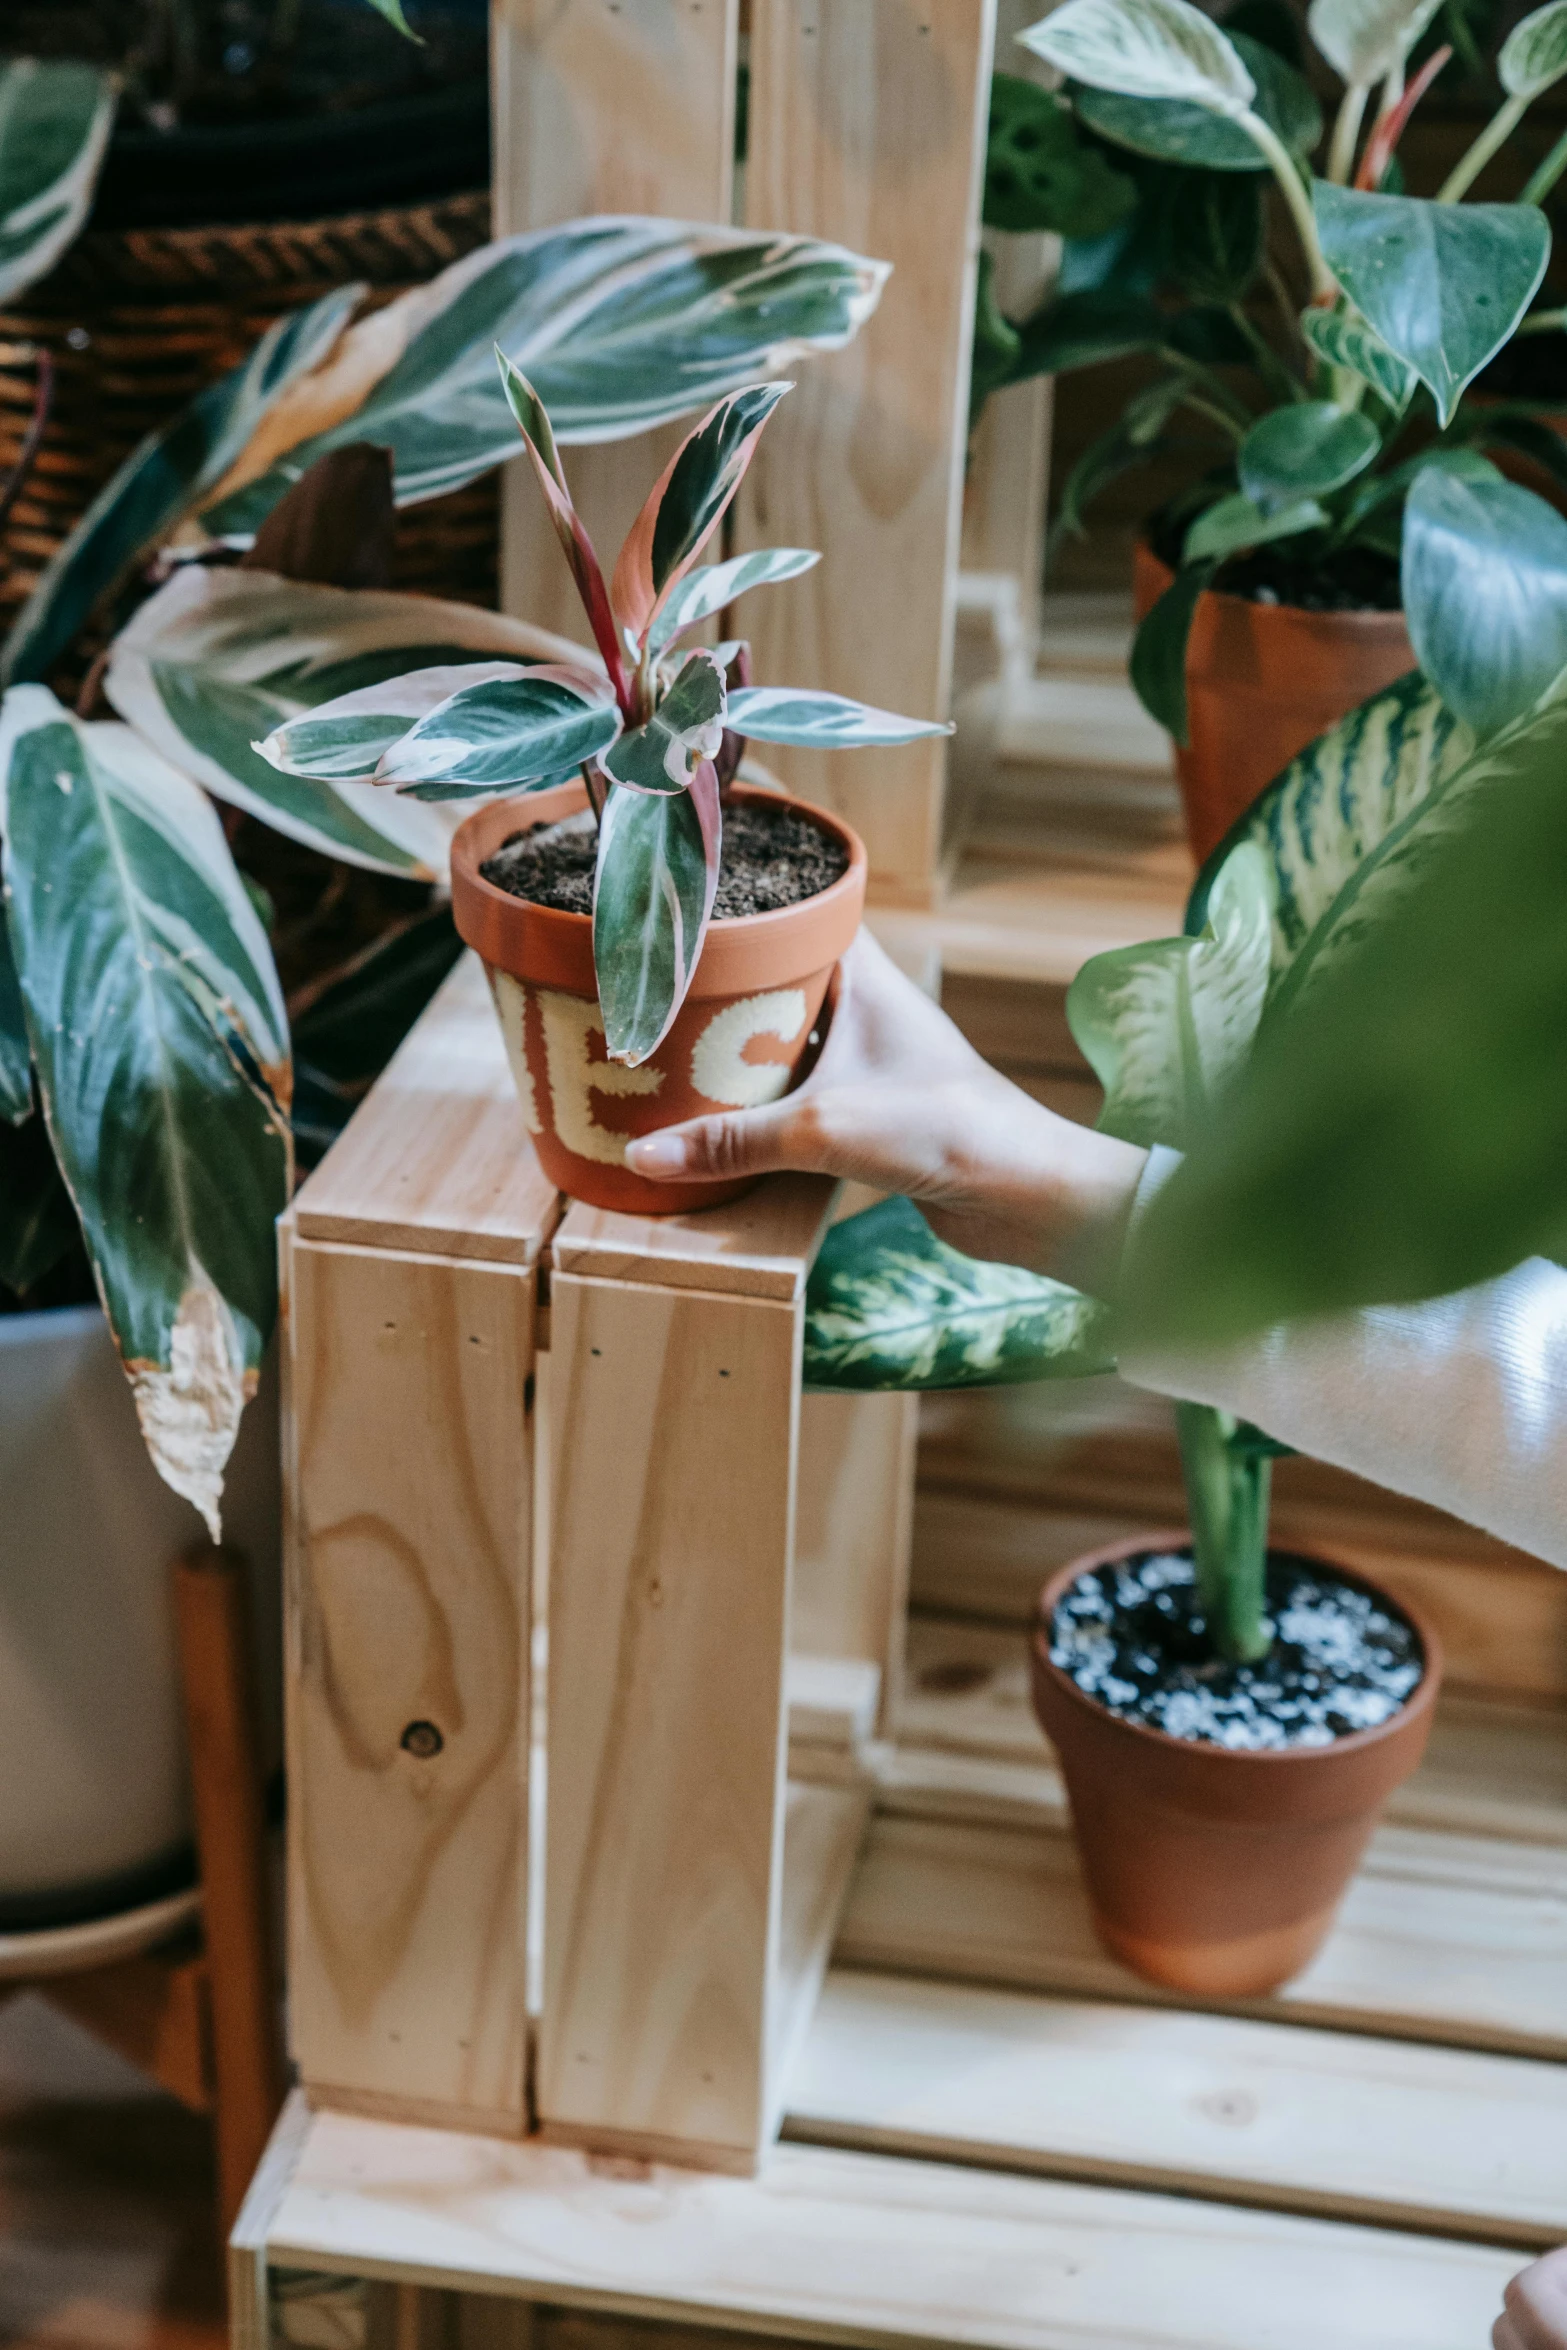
[94,1808]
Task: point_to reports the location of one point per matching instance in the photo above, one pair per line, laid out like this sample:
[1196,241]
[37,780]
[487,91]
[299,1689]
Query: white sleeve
[1461,1401]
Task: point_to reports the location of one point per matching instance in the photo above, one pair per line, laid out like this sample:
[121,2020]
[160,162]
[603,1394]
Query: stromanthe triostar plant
[655,732]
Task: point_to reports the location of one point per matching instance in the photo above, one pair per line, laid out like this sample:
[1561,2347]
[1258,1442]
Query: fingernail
[658,1154]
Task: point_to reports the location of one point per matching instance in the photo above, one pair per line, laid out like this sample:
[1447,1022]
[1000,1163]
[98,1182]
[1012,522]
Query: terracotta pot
[740,1038]
[1262,681]
[1207,1870]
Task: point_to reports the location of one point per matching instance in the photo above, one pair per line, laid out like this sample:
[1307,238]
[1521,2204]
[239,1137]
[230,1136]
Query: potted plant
[1224,1772]
[1324,359]
[165,1043]
[632,994]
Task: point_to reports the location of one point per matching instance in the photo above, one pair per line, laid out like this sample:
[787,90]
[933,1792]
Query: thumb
[735,1142]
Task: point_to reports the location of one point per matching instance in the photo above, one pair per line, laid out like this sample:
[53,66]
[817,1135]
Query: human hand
[899,1100]
[1535,2307]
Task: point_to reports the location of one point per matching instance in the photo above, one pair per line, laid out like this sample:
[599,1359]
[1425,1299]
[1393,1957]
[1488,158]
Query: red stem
[1387,133]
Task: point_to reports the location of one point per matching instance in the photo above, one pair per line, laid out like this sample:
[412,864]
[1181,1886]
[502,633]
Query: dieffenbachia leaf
[161,1047]
[1485,593]
[1163,49]
[159,483]
[1443,285]
[1237,521]
[889,1306]
[55,118]
[618,324]
[686,727]
[1305,450]
[1165,1026]
[1534,54]
[826,722]
[1348,342]
[1178,131]
[716,585]
[652,896]
[538,438]
[16,1055]
[1366,40]
[687,503]
[219,659]
[499,732]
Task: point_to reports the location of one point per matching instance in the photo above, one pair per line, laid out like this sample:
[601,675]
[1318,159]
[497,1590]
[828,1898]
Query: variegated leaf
[652,898]
[716,585]
[889,1306]
[827,722]
[1346,341]
[1166,1026]
[1365,40]
[16,1058]
[219,659]
[1534,54]
[1145,49]
[141,507]
[502,732]
[618,324]
[688,501]
[686,727]
[161,1047]
[55,118]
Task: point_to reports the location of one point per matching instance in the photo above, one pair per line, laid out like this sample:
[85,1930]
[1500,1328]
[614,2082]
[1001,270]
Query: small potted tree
[659,939]
[1344,521]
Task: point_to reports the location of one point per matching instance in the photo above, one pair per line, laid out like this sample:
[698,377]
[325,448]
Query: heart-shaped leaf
[55,117]
[1174,131]
[686,727]
[1485,593]
[1304,451]
[1534,54]
[1238,522]
[889,1306]
[688,501]
[1349,343]
[1144,49]
[716,585]
[826,722]
[1444,285]
[1041,173]
[653,893]
[1365,40]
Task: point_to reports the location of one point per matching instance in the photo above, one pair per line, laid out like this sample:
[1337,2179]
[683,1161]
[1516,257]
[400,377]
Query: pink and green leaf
[716,585]
[539,440]
[507,732]
[686,727]
[827,722]
[687,503]
[652,899]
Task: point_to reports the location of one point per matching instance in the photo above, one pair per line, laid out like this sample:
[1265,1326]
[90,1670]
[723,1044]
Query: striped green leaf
[1174,130]
[485,727]
[652,896]
[1348,342]
[159,482]
[827,722]
[1145,49]
[16,1057]
[1534,54]
[716,585]
[218,660]
[161,1047]
[1166,1026]
[685,728]
[1364,40]
[889,1306]
[55,117]
[688,501]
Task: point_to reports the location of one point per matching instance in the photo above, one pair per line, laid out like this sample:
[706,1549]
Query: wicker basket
[139,320]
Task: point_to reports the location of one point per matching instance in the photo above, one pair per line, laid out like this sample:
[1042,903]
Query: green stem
[1469,166]
[1324,285]
[1227,1490]
[1545,175]
[1346,130]
[1269,365]
[1217,399]
[1543,322]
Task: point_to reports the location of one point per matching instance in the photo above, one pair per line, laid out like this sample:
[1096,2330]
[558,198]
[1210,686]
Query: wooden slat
[156,2011]
[866,125]
[437,1158]
[1244,2112]
[823,1827]
[853,1529]
[1440,1937]
[871,2250]
[409,1562]
[1037,906]
[758,1246]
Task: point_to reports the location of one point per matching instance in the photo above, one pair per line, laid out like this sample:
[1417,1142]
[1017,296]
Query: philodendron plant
[1332,852]
[656,730]
[1352,440]
[146,1068]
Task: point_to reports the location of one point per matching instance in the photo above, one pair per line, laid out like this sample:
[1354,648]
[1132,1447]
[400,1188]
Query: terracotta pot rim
[1420,1699]
[1275,616]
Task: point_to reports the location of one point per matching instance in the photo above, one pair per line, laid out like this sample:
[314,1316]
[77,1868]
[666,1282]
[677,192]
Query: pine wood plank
[854,1528]
[437,1158]
[866,124]
[758,1246]
[248,2264]
[1442,1938]
[1037,907]
[871,2250]
[409,1549]
[823,1828]
[1253,2113]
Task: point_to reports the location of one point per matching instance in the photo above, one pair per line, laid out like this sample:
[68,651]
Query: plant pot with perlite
[1315,331]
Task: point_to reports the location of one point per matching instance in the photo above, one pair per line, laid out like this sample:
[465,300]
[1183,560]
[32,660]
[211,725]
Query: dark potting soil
[771,857]
[1355,579]
[1132,1636]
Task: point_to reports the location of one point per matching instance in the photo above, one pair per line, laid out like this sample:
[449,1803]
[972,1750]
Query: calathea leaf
[16,1058]
[218,660]
[539,440]
[790,714]
[1144,49]
[1307,450]
[55,117]
[1485,593]
[1534,54]
[500,732]
[1040,172]
[653,894]
[686,727]
[889,1306]
[1179,132]
[1365,40]
[1238,521]
[1158,663]
[1166,1026]
[37,1220]
[716,585]
[1349,343]
[161,1049]
[688,501]
[1213,234]
[1443,285]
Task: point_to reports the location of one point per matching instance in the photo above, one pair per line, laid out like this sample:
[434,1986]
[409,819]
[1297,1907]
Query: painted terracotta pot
[1262,681]
[1207,1870]
[741,1038]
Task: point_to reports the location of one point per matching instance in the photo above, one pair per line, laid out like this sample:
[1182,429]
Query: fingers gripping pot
[741,1038]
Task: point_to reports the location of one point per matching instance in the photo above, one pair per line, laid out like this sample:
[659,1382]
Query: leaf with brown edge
[688,501]
[539,440]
